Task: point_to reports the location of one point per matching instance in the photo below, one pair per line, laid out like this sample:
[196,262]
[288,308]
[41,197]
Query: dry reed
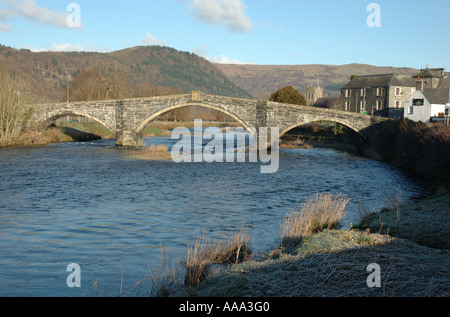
[163,276]
[153,152]
[393,202]
[319,212]
[204,253]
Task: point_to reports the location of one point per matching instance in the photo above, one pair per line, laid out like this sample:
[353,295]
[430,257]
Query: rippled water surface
[88,203]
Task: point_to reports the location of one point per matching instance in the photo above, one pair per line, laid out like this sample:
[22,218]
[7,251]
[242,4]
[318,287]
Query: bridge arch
[347,124]
[51,117]
[152,117]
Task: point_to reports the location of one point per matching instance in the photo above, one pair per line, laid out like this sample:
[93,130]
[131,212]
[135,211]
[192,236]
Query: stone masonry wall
[129,118]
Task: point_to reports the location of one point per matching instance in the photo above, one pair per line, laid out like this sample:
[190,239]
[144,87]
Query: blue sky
[412,33]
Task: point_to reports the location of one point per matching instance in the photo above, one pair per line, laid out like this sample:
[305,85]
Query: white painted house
[427,105]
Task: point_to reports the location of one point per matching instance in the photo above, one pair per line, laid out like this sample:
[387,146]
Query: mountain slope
[50,72]
[264,79]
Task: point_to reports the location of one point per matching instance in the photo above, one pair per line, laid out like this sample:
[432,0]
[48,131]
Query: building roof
[439,96]
[432,72]
[383,80]
[327,103]
[444,83]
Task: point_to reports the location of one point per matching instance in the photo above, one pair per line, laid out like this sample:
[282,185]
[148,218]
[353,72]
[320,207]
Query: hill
[264,79]
[51,72]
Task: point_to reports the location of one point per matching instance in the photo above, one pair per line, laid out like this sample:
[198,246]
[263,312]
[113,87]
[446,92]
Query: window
[398,91]
[378,105]
[362,92]
[347,106]
[361,105]
[378,92]
[418,102]
[347,93]
[398,104]
[410,110]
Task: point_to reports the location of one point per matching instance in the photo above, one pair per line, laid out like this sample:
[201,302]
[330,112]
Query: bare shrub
[424,149]
[421,148]
[14,95]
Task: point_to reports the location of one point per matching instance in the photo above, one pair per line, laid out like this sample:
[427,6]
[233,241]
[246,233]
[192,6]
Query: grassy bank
[81,131]
[163,128]
[321,261]
[424,221]
[61,133]
[411,250]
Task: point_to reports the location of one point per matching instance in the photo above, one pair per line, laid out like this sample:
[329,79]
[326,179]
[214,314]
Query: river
[90,204]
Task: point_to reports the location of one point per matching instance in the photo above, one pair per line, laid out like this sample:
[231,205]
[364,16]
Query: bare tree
[14,95]
[115,80]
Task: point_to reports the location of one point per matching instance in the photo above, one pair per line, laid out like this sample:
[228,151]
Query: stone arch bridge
[129,118]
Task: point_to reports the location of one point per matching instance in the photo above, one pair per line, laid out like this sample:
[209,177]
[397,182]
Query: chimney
[419,84]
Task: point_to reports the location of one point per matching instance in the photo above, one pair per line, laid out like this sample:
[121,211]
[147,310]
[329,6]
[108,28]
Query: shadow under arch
[149,120]
[48,120]
[348,125]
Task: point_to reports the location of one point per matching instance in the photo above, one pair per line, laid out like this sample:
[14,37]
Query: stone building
[381,95]
[386,94]
[432,78]
[328,103]
[313,94]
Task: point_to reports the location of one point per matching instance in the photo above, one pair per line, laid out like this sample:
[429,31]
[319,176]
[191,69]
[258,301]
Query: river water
[90,204]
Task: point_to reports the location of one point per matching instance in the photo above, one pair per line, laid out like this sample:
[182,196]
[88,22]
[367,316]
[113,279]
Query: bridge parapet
[288,117]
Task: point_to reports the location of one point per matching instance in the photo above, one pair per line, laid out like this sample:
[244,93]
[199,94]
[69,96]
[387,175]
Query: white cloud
[231,13]
[223,59]
[67,47]
[28,9]
[150,40]
[203,51]
[5,28]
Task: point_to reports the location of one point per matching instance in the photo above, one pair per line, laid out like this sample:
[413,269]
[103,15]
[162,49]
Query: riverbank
[408,241]
[65,132]
[302,143]
[73,132]
[412,251]
[322,136]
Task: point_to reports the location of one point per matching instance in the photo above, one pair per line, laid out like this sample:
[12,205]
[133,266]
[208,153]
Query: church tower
[313,93]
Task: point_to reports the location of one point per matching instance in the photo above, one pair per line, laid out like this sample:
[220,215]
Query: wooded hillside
[152,67]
